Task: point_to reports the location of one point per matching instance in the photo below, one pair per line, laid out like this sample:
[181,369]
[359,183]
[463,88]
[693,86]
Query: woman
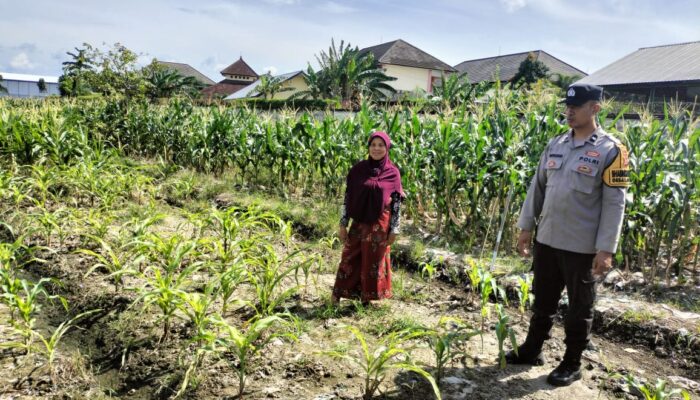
[372,200]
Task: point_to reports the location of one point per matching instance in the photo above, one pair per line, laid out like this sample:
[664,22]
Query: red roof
[224,88]
[239,68]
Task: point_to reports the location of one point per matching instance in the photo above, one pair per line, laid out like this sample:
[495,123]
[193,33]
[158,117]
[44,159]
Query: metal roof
[250,91]
[402,53]
[9,76]
[484,69]
[668,63]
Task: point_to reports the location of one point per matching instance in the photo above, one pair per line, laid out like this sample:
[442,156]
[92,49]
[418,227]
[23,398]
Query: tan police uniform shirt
[578,194]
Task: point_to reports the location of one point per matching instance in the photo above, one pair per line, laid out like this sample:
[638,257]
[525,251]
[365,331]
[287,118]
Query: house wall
[408,78]
[27,89]
[654,92]
[411,78]
[297,83]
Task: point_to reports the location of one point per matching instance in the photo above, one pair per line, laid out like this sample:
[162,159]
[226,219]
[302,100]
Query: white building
[22,85]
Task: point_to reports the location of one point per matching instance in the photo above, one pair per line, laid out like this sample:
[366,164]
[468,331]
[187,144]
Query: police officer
[577,202]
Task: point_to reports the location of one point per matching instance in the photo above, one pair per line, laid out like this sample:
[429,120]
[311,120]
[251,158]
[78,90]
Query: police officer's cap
[579,93]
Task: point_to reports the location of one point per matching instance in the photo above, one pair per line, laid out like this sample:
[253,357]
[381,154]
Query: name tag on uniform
[589,159]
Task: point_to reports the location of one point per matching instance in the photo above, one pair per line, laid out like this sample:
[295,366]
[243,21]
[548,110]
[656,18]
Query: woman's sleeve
[395,220]
[344,219]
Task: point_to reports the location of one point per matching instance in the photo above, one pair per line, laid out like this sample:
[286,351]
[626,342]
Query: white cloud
[21,61]
[336,8]
[513,5]
[282,2]
[272,70]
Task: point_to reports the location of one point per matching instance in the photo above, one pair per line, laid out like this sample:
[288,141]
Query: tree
[165,82]
[318,85]
[41,85]
[269,86]
[3,89]
[347,75]
[118,73]
[529,71]
[564,81]
[455,89]
[75,71]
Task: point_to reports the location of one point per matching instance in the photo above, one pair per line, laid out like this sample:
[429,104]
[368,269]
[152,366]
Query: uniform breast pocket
[583,177]
[552,166]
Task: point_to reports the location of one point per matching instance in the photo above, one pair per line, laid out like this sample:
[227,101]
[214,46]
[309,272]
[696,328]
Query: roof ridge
[380,44]
[669,45]
[504,55]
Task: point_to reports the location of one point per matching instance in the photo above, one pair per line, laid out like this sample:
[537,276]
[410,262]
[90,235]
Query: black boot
[526,355]
[568,371]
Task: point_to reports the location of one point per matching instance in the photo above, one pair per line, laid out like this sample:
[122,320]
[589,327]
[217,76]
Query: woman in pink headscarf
[372,200]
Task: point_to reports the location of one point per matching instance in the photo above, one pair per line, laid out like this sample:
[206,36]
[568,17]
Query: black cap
[579,93]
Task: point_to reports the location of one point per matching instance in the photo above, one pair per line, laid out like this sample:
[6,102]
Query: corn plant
[503,332]
[524,298]
[474,275]
[167,278]
[49,344]
[266,273]
[228,282]
[390,353]
[97,224]
[444,339]
[196,306]
[427,272]
[243,344]
[23,298]
[117,263]
[657,391]
[166,290]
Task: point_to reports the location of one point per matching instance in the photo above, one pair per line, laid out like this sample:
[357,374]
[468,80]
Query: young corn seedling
[49,344]
[243,344]
[25,301]
[474,275]
[166,290]
[504,332]
[657,391]
[196,307]
[427,272]
[524,297]
[116,263]
[228,282]
[267,273]
[444,339]
[390,353]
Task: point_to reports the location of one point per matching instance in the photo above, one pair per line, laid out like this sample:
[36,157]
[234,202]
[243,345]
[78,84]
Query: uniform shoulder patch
[617,174]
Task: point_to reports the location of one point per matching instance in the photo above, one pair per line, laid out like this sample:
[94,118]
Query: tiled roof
[484,69]
[400,52]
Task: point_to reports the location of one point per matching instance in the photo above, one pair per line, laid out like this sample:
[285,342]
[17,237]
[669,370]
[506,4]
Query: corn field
[459,168]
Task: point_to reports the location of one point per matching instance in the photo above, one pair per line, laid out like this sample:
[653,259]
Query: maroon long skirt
[365,267]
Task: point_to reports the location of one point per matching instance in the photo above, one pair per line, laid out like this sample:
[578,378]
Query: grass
[639,316]
[382,327]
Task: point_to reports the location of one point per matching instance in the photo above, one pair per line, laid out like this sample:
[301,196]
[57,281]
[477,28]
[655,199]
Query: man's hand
[343,234]
[602,263]
[391,239]
[524,241]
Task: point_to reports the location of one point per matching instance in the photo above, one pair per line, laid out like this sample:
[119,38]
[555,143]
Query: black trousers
[556,269]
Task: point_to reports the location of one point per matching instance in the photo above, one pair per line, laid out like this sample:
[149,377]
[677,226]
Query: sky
[285,35]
